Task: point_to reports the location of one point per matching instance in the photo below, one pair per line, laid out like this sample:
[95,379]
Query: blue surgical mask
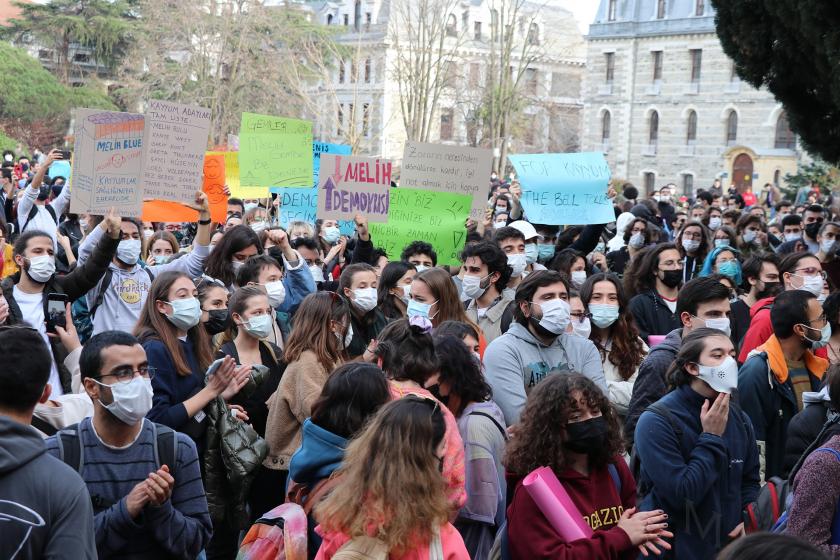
[603,314]
[545,251]
[721,242]
[331,234]
[186,313]
[259,326]
[418,309]
[531,253]
[729,268]
[825,335]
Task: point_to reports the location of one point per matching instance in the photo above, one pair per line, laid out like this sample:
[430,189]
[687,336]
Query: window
[649,181]
[357,15]
[367,70]
[660,9]
[494,23]
[606,122]
[609,59]
[777,178]
[696,62]
[731,128]
[346,20]
[446,124]
[533,34]
[657,66]
[691,133]
[611,10]
[81,57]
[465,20]
[653,132]
[475,74]
[351,117]
[688,184]
[477,31]
[699,7]
[339,119]
[368,20]
[353,73]
[531,78]
[451,26]
[530,136]
[366,119]
[329,19]
[785,138]
[340,71]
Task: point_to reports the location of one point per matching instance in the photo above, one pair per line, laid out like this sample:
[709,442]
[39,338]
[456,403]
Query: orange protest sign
[214,187]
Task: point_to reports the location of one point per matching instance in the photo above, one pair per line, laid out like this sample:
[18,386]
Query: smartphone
[214,367]
[56,312]
[65,154]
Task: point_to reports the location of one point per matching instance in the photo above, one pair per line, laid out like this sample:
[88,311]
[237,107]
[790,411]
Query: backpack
[279,534]
[782,521]
[71,451]
[34,212]
[104,285]
[775,496]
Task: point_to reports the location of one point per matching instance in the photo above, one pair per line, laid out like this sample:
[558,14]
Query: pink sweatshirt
[450,540]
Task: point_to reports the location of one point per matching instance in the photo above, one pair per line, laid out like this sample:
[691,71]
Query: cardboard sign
[350,185]
[452,169]
[213,186]
[437,218]
[174,143]
[564,189]
[107,162]
[275,151]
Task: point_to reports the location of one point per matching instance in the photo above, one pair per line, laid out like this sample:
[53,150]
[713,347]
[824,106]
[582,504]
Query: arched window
[611,10]
[660,9]
[606,122]
[785,138]
[731,128]
[329,19]
[452,25]
[533,34]
[653,133]
[691,132]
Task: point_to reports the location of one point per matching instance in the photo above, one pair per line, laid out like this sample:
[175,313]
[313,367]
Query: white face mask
[348,337]
[364,298]
[578,278]
[317,273]
[83,224]
[748,235]
[603,314]
[406,292]
[147,233]
[826,245]
[41,268]
[132,400]
[128,251]
[499,225]
[518,263]
[637,240]
[714,222]
[556,315]
[471,286]
[276,293]
[186,313]
[721,242]
[582,330]
[813,284]
[690,244]
[420,268]
[723,378]
[792,236]
[720,323]
[259,326]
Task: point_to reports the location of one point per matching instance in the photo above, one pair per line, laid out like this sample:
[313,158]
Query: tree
[102,25]
[791,47]
[817,171]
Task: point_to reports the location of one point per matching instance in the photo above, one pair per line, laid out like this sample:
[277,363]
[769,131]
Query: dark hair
[691,347]
[705,196]
[831,307]
[352,394]
[705,239]
[507,232]
[26,368]
[789,308]
[407,352]
[90,361]
[307,242]
[234,240]
[627,351]
[538,440]
[748,219]
[770,546]
[792,220]
[419,248]
[751,268]
[23,240]
[640,275]
[565,259]
[462,371]
[346,278]
[491,255]
[457,329]
[534,281]
[628,230]
[788,263]
[815,208]
[388,279]
[251,268]
[236,202]
[566,237]
[782,203]
[700,290]
[630,192]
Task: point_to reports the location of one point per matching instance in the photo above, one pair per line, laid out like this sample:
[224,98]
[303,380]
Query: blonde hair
[391,483]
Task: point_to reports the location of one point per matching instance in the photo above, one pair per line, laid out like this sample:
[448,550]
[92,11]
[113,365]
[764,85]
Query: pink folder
[554,502]
[655,339]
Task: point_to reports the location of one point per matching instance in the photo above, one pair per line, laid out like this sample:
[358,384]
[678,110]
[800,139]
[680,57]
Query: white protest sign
[350,185]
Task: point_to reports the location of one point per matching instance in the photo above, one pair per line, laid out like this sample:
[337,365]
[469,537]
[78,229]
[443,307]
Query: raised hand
[111,223]
[713,418]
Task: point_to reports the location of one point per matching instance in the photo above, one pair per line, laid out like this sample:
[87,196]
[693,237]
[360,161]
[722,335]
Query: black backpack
[71,451]
[104,285]
[34,212]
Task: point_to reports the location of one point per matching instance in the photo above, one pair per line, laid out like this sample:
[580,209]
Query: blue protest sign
[302,204]
[564,189]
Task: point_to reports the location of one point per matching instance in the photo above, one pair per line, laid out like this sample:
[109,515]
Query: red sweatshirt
[761,329]
[596,497]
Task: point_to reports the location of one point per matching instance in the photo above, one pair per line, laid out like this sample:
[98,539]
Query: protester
[394,288]
[35,212]
[536,345]
[486,273]
[654,281]
[702,474]
[358,285]
[636,237]
[421,254]
[774,378]
[752,235]
[213,297]
[831,308]
[47,510]
[723,260]
[433,296]
[693,242]
[574,265]
[760,280]
[237,245]
[160,248]
[152,507]
[569,426]
[465,332]
[770,546]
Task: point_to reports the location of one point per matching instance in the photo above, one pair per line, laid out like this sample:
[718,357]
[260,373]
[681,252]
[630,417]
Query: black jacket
[652,315]
[805,426]
[365,328]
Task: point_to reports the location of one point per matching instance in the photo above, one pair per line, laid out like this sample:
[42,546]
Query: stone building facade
[663,102]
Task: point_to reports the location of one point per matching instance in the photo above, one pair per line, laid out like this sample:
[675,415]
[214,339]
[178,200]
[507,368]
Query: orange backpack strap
[308,497]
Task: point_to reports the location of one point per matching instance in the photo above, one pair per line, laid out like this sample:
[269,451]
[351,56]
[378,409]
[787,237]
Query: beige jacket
[289,406]
[491,323]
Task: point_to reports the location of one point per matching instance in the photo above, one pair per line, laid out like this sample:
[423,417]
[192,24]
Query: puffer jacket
[806,425]
[233,453]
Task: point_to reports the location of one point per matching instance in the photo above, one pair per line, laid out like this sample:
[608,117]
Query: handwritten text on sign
[275,151]
[107,162]
[437,218]
[564,189]
[174,143]
[350,185]
[318,149]
[453,169]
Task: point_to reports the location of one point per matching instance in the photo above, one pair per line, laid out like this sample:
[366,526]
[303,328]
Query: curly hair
[538,440]
[627,351]
[391,487]
[462,372]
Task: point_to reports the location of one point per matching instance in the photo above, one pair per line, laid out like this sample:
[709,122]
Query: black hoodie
[45,508]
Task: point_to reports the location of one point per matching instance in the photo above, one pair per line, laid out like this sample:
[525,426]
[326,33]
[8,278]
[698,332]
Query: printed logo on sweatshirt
[129,290]
[538,371]
[604,518]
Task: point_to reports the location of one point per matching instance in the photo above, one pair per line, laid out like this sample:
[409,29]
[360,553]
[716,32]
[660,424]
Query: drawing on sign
[356,185]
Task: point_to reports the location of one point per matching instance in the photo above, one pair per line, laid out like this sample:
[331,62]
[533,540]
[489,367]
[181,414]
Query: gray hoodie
[45,508]
[516,361]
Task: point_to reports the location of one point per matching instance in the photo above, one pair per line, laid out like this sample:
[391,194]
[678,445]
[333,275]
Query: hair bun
[420,325]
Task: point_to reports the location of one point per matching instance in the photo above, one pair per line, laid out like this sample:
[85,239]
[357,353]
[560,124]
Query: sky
[584,11]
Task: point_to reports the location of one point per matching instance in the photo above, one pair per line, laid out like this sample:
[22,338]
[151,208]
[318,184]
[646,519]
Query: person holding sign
[118,299]
[34,212]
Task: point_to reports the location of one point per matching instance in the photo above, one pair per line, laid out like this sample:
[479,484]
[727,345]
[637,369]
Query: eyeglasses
[810,272]
[695,236]
[126,374]
[204,279]
[580,317]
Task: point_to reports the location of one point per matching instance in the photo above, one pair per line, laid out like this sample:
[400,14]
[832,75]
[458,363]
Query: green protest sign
[275,151]
[435,217]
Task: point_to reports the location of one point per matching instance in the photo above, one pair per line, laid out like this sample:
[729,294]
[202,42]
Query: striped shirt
[180,528]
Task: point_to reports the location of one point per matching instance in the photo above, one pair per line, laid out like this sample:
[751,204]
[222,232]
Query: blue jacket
[298,283]
[319,454]
[701,480]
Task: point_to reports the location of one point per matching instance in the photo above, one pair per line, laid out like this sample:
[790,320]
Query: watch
[206,222]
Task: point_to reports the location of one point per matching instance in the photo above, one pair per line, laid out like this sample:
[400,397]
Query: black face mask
[587,436]
[217,322]
[813,229]
[672,278]
[770,289]
[435,391]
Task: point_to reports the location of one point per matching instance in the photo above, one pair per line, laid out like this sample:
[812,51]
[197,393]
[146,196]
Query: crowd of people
[164,386]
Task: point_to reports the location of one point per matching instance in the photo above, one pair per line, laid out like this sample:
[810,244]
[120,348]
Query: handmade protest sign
[213,187]
[454,169]
[275,151]
[174,142]
[350,185]
[562,189]
[107,162]
[298,204]
[435,217]
[318,148]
